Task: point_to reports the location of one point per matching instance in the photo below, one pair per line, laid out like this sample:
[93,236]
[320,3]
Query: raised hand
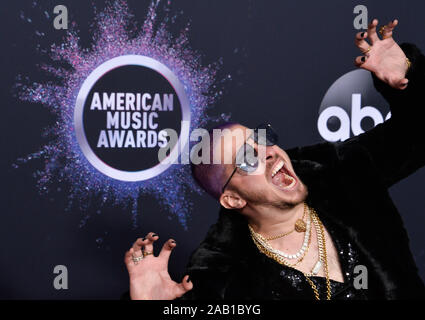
[383,57]
[149,278]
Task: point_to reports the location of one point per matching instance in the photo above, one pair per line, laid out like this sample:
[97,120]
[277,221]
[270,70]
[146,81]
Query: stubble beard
[257,199]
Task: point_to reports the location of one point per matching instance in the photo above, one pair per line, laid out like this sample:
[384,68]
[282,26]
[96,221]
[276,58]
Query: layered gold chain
[258,239]
[287,233]
[255,237]
[322,243]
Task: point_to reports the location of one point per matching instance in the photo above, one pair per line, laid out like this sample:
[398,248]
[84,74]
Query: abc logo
[351,106]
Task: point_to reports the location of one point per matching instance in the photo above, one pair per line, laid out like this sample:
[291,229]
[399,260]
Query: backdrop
[278,61]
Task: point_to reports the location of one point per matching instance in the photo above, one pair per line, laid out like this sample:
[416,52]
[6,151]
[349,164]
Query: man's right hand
[149,278]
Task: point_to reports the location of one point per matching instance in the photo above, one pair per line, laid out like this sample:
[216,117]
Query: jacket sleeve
[397,146]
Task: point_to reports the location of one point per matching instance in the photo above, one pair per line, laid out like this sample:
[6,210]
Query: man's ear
[231,200]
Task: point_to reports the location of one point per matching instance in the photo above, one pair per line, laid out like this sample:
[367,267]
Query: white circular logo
[351,106]
[122,114]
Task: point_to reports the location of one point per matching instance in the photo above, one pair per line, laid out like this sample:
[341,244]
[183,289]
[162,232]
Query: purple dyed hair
[210,177]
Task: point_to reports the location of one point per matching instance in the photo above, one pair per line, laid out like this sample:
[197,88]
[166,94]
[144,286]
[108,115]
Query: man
[314,217]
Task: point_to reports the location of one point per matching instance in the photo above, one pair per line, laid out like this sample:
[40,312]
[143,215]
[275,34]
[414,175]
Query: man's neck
[271,221]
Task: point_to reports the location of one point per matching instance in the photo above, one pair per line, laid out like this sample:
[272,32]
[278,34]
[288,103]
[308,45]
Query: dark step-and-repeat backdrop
[91,91]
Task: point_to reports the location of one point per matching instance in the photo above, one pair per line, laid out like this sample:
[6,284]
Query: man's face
[274,183]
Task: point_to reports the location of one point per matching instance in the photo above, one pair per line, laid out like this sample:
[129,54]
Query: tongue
[282,179]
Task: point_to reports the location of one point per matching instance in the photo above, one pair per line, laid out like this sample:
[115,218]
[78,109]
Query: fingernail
[363,59]
[154,235]
[188,279]
[143,239]
[172,241]
[362,34]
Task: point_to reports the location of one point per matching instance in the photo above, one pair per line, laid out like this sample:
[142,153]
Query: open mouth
[282,177]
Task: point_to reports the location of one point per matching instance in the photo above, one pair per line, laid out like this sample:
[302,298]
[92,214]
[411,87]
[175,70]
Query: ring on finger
[368,49]
[146,253]
[137,259]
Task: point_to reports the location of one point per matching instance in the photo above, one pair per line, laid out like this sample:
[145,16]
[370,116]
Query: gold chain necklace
[262,242]
[277,257]
[299,227]
[321,243]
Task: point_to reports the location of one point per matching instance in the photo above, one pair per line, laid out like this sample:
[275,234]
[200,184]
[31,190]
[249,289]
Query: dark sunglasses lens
[247,158]
[265,135]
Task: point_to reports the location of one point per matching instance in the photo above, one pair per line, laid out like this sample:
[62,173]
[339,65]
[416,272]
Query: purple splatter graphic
[114,35]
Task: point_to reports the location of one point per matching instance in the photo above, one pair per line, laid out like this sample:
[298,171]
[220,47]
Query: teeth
[277,168]
[292,183]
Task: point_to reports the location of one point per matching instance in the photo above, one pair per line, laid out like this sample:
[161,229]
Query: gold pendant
[300,226]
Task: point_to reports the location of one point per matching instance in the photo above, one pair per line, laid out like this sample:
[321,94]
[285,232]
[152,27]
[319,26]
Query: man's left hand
[383,57]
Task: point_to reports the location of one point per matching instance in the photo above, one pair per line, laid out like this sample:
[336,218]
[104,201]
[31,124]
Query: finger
[360,41]
[360,61]
[187,283]
[150,239]
[397,82]
[137,246]
[185,286]
[167,248]
[388,30]
[371,30]
[403,84]
[128,257]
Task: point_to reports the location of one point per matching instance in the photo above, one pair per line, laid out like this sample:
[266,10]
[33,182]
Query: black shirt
[348,257]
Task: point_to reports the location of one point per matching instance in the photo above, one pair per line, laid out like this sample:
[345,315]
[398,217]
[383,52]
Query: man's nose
[271,153]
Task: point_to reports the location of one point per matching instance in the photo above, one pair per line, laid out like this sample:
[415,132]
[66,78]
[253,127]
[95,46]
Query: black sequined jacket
[348,185]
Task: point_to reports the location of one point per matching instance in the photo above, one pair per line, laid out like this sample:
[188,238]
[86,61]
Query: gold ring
[368,49]
[409,63]
[146,253]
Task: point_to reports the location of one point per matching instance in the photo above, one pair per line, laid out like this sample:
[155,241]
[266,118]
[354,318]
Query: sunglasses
[247,157]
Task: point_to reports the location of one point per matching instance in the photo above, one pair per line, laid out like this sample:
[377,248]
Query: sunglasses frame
[265,126]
